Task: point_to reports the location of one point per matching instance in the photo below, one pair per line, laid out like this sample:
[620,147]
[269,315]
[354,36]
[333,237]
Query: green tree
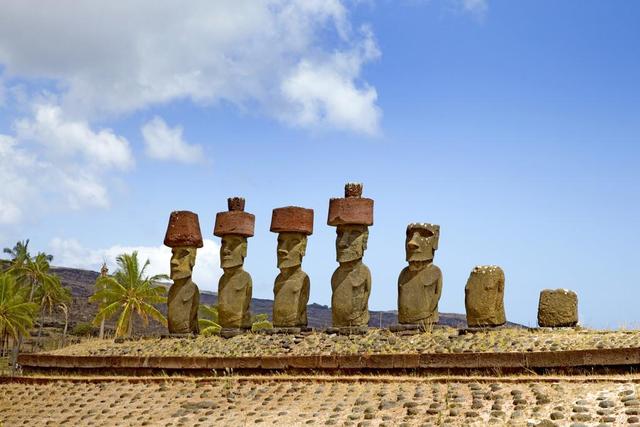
[49,294]
[208,320]
[127,292]
[31,273]
[19,253]
[16,311]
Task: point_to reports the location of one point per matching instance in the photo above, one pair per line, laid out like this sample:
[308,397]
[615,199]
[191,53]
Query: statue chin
[179,275]
[230,264]
[419,258]
[348,256]
[289,263]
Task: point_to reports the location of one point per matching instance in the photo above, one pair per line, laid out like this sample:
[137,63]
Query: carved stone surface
[292,285]
[558,308]
[352,209]
[420,283]
[235,286]
[183,230]
[183,236]
[484,297]
[351,282]
[235,220]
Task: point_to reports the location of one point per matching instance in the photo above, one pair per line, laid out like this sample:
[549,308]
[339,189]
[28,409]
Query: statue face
[421,245]
[182,261]
[233,250]
[351,242]
[291,248]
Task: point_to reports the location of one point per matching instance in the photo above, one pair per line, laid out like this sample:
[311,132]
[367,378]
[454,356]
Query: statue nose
[413,245]
[282,252]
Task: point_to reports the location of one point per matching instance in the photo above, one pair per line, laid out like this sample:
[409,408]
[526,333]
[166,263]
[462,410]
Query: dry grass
[440,340]
[295,401]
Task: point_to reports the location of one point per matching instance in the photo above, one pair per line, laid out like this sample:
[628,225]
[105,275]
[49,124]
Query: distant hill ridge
[81,283]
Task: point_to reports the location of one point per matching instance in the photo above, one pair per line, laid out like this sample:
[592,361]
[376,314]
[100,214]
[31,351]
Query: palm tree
[129,291]
[16,311]
[49,294]
[65,310]
[208,320]
[34,272]
[19,253]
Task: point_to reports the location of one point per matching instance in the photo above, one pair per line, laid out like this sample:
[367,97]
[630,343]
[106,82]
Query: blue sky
[513,125]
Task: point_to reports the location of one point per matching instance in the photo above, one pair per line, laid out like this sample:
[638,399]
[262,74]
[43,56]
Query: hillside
[81,284]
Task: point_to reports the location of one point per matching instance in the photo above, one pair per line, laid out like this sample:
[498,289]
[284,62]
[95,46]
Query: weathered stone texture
[558,308]
[235,286]
[234,298]
[183,230]
[352,209]
[351,282]
[235,220]
[484,297]
[420,284]
[184,237]
[292,219]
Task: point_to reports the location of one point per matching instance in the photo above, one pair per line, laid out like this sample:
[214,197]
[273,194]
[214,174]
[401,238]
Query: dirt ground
[440,340]
[340,401]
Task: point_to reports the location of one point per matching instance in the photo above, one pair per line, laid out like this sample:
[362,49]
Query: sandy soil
[289,402]
[441,340]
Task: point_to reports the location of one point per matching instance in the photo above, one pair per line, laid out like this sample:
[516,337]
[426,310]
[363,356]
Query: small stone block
[558,308]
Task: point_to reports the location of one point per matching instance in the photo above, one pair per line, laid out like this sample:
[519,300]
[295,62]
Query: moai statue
[235,286]
[420,284]
[484,297]
[558,308]
[351,282]
[291,288]
[184,238]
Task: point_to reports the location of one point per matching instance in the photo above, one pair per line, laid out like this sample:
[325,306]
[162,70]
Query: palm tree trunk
[16,350]
[102,328]
[41,321]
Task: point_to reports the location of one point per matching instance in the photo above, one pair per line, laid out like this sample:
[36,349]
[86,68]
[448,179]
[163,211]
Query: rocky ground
[439,340]
[286,401]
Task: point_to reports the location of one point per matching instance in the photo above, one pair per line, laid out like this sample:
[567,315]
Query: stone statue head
[183,258]
[292,246]
[233,250]
[351,242]
[422,242]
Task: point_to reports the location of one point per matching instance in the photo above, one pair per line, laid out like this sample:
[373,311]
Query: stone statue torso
[234,298]
[418,294]
[182,308]
[291,297]
[351,287]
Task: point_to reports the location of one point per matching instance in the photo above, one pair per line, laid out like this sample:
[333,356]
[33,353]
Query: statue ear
[244,249]
[365,239]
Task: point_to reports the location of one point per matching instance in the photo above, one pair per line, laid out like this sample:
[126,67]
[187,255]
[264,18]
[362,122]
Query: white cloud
[325,93]
[477,8]
[15,187]
[54,163]
[125,56]
[165,143]
[68,138]
[71,253]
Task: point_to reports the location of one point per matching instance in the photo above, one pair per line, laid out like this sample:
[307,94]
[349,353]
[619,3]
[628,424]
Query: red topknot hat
[292,219]
[352,209]
[235,220]
[183,230]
